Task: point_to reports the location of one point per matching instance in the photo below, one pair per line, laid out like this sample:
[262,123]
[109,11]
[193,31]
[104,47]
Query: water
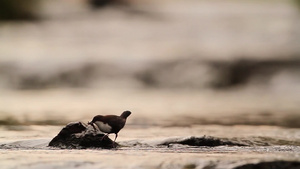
[140,148]
[246,116]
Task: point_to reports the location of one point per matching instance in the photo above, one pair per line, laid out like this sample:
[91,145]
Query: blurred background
[170,62]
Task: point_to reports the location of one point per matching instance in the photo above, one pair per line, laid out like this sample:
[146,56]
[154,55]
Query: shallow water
[158,117]
[28,148]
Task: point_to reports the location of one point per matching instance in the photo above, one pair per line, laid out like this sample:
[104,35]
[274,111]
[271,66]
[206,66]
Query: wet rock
[272,164]
[203,141]
[77,135]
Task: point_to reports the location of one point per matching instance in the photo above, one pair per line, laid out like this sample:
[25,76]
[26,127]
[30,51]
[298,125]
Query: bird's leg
[116,137]
[104,136]
[114,143]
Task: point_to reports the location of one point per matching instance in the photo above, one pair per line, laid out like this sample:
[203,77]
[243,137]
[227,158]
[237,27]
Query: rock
[271,164]
[203,141]
[78,135]
[95,4]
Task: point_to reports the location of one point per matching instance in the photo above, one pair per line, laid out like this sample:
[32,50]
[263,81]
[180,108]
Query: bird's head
[96,118]
[125,114]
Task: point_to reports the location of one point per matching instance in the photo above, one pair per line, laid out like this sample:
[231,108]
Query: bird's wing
[116,123]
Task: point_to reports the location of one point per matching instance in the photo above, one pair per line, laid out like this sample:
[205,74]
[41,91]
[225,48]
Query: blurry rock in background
[214,49]
[243,72]
[227,50]
[96,4]
[183,73]
[192,45]
[15,77]
[297,2]
[19,10]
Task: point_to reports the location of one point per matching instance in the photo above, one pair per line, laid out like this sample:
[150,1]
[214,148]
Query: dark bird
[110,123]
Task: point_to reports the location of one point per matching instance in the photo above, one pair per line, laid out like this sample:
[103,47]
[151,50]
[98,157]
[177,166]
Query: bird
[110,123]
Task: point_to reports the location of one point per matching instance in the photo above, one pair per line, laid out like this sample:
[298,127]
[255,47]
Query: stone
[78,135]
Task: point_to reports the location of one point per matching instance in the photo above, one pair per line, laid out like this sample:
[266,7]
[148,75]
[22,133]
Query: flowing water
[151,138]
[141,148]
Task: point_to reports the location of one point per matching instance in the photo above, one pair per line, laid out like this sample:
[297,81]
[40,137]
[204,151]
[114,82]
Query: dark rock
[272,165]
[203,141]
[78,135]
[95,4]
